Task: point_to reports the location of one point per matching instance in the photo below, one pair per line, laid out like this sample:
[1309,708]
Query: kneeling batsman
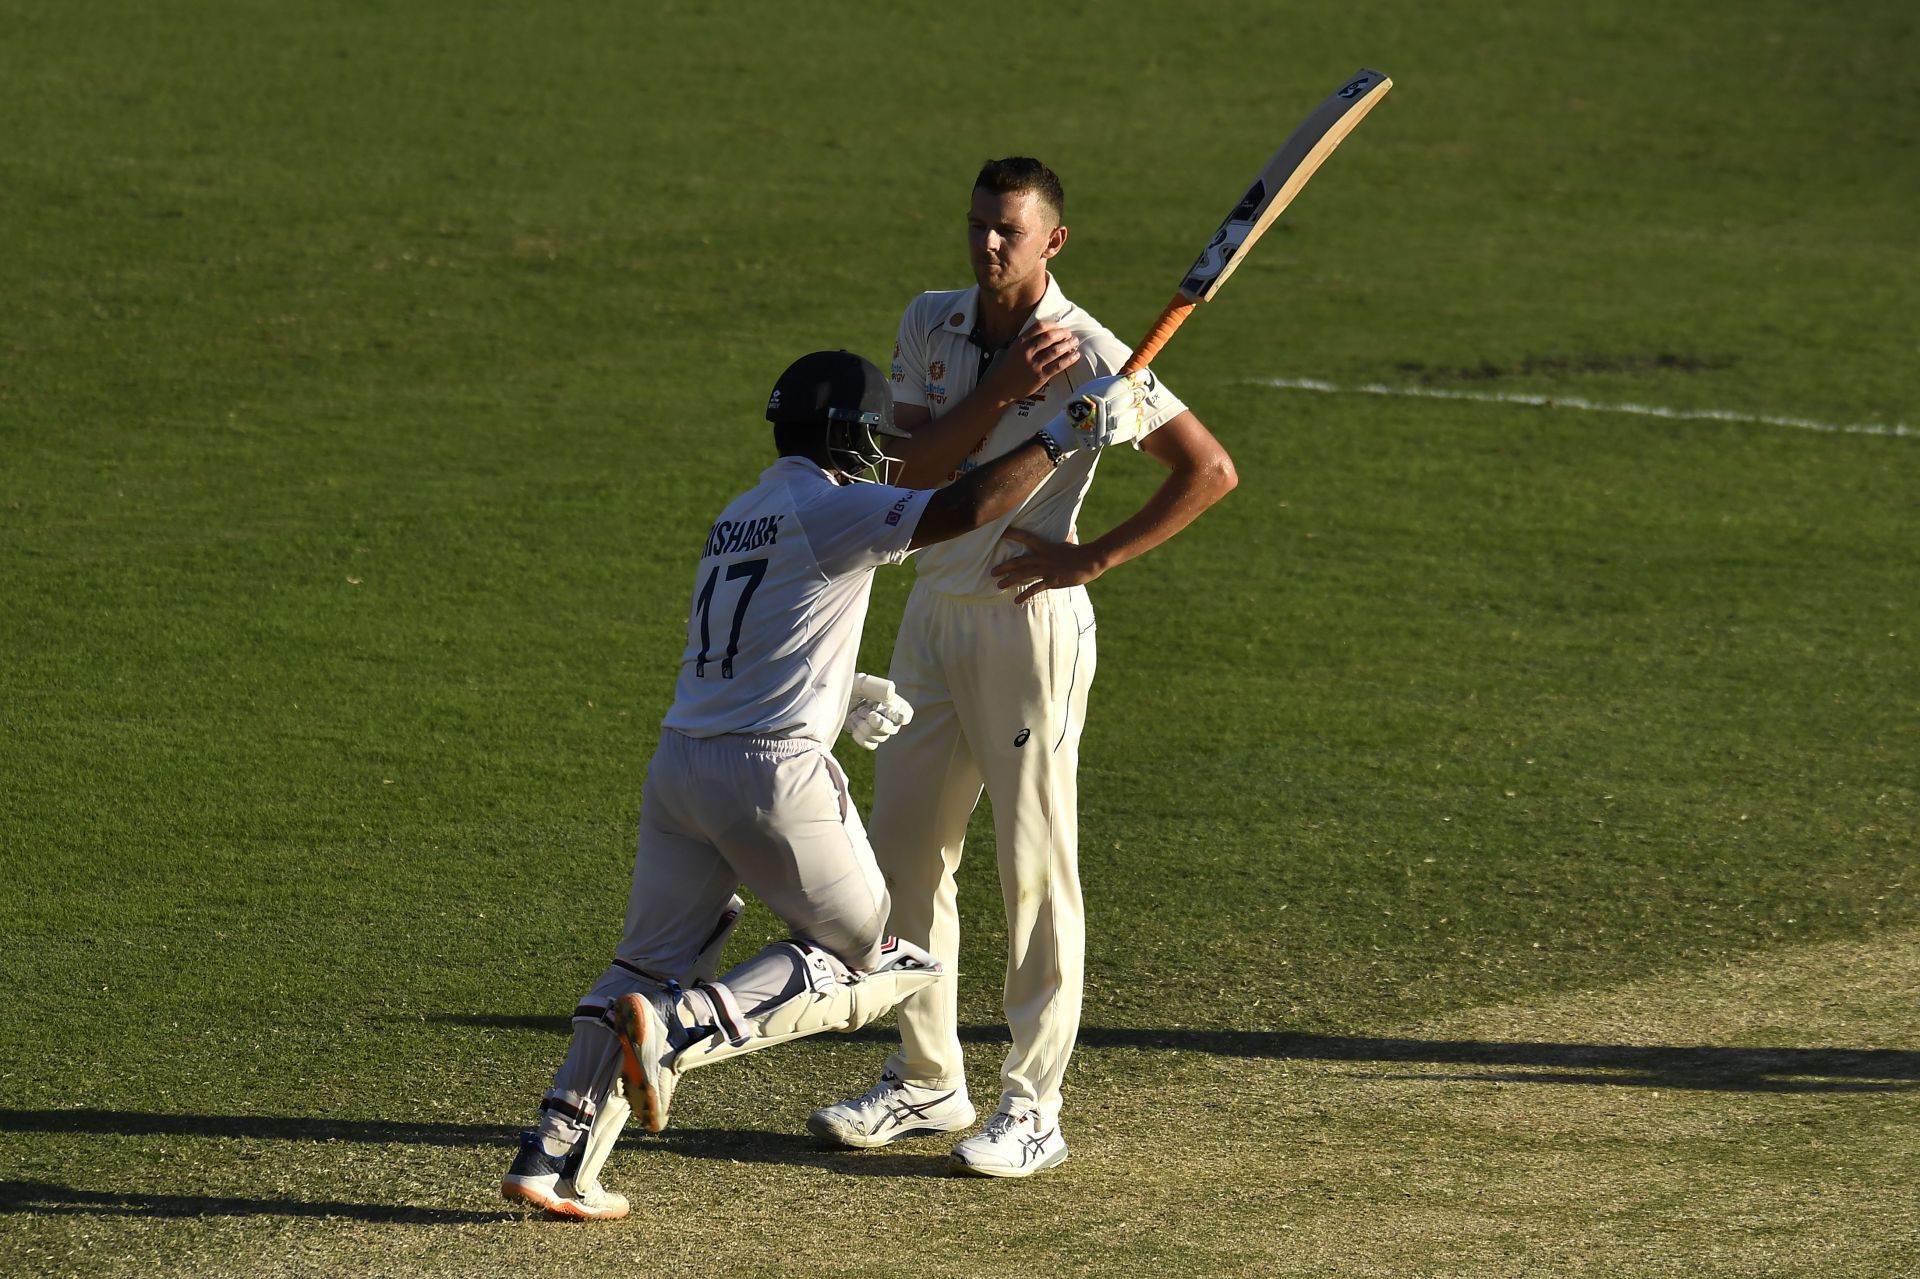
[731,740]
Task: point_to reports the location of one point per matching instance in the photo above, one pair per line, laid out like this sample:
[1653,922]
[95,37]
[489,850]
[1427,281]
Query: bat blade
[1285,173]
[1295,162]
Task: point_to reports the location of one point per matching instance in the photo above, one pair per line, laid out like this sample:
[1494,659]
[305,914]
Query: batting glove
[1103,412]
[876,712]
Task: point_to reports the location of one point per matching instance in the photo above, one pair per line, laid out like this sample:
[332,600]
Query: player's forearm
[1178,502]
[940,444]
[983,495]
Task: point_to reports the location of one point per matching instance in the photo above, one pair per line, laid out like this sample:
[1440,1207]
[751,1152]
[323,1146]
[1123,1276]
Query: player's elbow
[1217,476]
[1201,466]
[974,506]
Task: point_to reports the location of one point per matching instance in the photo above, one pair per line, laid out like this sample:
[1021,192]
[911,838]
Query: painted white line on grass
[1588,406]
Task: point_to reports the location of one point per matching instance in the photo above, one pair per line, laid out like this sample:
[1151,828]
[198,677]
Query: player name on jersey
[731,536]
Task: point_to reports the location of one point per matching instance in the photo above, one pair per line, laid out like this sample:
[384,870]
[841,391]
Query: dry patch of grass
[1755,1119]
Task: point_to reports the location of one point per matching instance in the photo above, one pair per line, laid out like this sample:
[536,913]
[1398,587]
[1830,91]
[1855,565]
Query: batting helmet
[838,386]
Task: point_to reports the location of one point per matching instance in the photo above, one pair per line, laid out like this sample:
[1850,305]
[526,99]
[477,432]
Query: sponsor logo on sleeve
[937,370]
[899,509]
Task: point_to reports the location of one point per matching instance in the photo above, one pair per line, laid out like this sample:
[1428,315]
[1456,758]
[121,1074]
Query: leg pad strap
[832,998]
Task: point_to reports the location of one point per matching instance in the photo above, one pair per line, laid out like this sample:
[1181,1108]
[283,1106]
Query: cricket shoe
[643,1058]
[1011,1145]
[546,1182]
[891,1111]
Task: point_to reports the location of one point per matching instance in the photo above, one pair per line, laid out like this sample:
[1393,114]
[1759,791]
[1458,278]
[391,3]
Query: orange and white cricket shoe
[546,1182]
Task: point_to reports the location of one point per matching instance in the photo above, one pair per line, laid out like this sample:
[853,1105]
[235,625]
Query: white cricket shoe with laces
[1013,1144]
[891,1111]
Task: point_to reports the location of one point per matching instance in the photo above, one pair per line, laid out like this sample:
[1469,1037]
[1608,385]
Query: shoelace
[878,1095]
[1000,1125]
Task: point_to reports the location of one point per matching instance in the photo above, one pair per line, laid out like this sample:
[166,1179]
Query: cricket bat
[1296,160]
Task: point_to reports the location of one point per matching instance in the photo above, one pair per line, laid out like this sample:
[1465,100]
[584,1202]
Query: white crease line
[1574,402]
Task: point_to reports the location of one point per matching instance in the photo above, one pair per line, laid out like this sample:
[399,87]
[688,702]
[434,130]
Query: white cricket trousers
[999,695]
[776,815]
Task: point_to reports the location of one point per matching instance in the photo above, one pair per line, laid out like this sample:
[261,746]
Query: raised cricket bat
[1272,191]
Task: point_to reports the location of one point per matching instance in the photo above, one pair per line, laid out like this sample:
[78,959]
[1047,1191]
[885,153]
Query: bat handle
[1170,319]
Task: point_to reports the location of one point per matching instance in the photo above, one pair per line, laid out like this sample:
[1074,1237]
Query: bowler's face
[1009,239]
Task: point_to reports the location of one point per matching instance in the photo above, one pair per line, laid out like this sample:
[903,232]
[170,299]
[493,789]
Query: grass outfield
[1499,821]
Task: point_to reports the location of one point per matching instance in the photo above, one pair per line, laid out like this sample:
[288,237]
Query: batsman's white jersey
[999,694]
[937,363]
[779,602]
[742,787]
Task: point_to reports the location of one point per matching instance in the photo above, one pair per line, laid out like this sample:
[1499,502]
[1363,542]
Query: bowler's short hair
[1023,173]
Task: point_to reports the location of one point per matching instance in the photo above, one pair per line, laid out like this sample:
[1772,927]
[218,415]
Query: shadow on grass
[1710,1068]
[134,1123]
[761,1147]
[46,1197]
[747,1145]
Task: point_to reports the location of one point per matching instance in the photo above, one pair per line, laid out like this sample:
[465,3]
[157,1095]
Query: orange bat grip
[1170,319]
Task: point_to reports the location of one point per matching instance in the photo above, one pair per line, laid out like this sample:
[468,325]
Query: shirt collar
[966,312]
[794,462]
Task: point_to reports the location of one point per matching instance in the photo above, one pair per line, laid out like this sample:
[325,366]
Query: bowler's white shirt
[936,365]
[780,599]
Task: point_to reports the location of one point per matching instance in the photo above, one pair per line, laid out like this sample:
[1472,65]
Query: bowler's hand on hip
[1046,566]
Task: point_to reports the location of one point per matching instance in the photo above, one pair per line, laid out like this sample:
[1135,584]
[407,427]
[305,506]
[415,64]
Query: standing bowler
[996,652]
